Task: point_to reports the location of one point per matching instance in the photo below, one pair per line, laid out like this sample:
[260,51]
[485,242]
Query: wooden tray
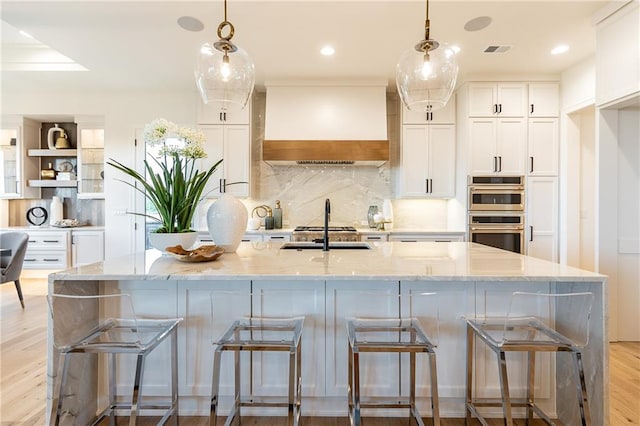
[201,254]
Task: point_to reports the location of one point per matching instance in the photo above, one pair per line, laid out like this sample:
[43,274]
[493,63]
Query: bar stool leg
[174,376]
[412,384]
[299,383]
[531,373]
[469,376]
[136,398]
[504,385]
[112,390]
[583,402]
[292,384]
[58,393]
[356,388]
[237,384]
[215,387]
[350,384]
[435,401]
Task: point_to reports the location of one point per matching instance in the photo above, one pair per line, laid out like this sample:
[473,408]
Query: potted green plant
[173,185]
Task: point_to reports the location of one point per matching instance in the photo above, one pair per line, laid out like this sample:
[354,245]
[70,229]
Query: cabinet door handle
[277,238]
[223,186]
[495,108]
[373,238]
[220,116]
[29,260]
[499,108]
[531,233]
[224,114]
[430,186]
[531,108]
[495,164]
[531,168]
[51,260]
[500,164]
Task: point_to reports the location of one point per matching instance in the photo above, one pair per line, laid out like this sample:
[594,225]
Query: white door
[414,161]
[483,136]
[512,142]
[442,161]
[542,218]
[543,147]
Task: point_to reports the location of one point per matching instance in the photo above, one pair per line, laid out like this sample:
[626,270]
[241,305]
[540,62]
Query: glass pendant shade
[426,81]
[224,77]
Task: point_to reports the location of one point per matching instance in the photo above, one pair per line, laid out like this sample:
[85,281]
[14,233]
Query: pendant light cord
[426,21]
[225,10]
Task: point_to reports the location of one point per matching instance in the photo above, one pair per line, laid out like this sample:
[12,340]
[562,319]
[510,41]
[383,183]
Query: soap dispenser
[277,216]
[268,220]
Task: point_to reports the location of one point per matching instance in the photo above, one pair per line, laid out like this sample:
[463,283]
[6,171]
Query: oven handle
[500,228]
[497,189]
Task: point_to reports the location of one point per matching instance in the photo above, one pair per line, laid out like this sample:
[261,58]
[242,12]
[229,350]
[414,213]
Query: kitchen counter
[470,280]
[53,228]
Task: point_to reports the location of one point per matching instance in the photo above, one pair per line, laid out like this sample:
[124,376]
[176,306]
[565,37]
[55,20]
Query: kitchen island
[327,288]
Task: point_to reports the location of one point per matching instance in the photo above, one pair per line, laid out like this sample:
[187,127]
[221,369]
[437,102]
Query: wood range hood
[322,123]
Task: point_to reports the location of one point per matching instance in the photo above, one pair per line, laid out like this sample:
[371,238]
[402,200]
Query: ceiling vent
[497,49]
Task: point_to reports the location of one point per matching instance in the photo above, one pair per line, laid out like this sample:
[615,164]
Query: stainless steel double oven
[496,211]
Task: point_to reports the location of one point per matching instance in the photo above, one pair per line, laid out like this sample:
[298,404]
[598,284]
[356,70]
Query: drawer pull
[277,238]
[33,241]
[29,260]
[51,260]
[50,241]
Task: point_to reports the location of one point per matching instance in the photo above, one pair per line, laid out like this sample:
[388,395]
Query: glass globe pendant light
[224,72]
[426,74]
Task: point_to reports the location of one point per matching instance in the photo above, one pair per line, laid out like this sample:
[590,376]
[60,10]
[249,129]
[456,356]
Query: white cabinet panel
[291,299]
[617,54]
[511,145]
[428,161]
[232,144]
[483,134]
[17,136]
[543,147]
[87,247]
[454,301]
[512,99]
[47,250]
[544,100]
[348,299]
[542,218]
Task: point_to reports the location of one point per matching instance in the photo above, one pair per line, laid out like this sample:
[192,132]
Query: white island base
[470,279]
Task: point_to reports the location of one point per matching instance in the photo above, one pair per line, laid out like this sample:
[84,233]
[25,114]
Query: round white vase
[227,221]
[161,241]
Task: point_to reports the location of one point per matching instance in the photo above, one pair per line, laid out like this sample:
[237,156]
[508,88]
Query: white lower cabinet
[373,237]
[47,250]
[542,218]
[291,299]
[378,372]
[86,247]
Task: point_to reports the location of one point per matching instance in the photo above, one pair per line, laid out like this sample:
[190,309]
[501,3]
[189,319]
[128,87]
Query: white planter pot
[227,221]
[161,241]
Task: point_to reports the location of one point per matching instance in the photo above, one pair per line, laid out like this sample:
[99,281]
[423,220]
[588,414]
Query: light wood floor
[23,366]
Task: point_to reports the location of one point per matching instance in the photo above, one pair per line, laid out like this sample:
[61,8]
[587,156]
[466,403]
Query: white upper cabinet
[90,157]
[497,146]
[446,115]
[17,136]
[233,145]
[544,100]
[428,161]
[497,99]
[618,53]
[214,114]
[543,147]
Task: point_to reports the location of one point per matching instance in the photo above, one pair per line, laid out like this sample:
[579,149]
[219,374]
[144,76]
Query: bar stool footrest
[265,401]
[497,402]
[168,409]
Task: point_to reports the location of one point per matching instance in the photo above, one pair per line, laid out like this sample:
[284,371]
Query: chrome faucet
[327,215]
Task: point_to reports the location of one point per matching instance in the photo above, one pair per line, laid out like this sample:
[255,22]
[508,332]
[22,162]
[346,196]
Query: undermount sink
[332,246]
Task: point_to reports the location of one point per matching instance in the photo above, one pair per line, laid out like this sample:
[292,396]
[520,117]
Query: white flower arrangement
[160,130]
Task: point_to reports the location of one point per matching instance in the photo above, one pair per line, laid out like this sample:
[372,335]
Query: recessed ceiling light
[562,48]
[190,23]
[327,51]
[477,24]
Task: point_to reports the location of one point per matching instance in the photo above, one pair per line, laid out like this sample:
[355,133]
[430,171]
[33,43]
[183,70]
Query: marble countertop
[53,228]
[442,261]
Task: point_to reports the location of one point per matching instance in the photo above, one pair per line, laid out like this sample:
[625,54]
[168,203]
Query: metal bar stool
[115,330]
[402,334]
[527,327]
[256,334]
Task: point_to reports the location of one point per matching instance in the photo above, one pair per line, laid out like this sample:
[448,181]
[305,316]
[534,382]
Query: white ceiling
[139,46]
